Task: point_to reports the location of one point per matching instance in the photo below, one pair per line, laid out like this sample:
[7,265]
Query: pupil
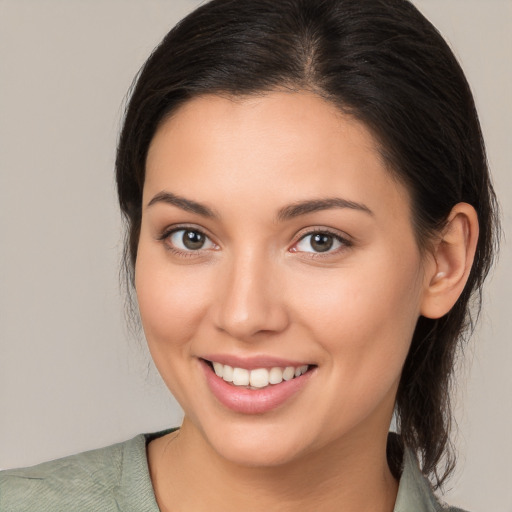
[321,242]
[193,240]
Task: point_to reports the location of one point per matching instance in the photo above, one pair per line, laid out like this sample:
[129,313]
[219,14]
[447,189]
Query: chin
[259,446]
[252,454]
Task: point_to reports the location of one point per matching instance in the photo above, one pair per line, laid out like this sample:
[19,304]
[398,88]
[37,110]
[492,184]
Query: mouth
[256,390]
[257,378]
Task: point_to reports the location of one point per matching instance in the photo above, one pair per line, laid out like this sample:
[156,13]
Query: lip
[254,362]
[253,401]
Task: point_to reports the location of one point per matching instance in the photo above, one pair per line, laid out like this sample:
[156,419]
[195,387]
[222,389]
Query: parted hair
[383,63]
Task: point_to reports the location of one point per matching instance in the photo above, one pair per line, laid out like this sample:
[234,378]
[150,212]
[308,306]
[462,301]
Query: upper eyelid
[303,233]
[345,241]
[329,231]
[164,233]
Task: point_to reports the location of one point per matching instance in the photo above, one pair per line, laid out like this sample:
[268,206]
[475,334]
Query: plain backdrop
[71,376]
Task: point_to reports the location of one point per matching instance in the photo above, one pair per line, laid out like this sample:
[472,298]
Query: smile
[258,389]
[259,377]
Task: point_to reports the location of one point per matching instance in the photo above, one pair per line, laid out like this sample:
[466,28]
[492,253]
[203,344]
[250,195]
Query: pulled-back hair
[382,62]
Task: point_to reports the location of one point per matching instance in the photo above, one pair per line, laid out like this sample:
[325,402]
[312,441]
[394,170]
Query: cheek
[171,300]
[365,310]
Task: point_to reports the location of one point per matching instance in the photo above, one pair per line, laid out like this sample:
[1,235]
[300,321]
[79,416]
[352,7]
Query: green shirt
[117,478]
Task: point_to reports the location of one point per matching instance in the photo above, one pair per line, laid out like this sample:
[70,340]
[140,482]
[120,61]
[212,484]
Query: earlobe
[453,256]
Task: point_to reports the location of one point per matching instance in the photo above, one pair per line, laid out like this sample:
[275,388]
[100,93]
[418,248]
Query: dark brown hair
[382,62]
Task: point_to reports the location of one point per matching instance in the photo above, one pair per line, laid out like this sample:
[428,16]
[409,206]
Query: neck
[188,474]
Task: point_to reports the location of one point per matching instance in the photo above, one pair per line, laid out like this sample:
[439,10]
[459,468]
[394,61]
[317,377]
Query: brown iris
[193,240]
[321,242]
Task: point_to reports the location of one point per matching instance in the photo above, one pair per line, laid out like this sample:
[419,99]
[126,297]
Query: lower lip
[252,401]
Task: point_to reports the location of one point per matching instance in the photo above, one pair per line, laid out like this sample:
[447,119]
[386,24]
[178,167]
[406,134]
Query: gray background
[71,376]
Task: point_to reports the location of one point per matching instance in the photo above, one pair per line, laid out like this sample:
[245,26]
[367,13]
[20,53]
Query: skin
[257,287]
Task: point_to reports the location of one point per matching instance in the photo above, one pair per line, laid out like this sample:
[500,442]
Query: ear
[452,257]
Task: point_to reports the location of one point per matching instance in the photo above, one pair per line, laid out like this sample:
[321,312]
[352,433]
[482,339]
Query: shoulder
[103,479]
[415,492]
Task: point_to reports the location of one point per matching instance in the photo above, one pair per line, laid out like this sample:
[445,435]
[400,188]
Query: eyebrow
[315,205]
[286,213]
[185,204]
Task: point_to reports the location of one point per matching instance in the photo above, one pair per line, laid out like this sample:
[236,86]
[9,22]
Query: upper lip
[253,362]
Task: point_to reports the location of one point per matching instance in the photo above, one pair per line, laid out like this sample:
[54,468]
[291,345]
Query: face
[277,275]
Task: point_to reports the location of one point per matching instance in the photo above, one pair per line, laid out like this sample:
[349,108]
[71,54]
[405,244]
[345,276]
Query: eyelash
[345,243]
[166,234]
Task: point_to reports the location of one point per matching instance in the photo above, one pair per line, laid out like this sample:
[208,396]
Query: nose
[251,299]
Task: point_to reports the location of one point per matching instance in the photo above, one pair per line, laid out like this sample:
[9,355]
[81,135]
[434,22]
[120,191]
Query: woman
[309,213]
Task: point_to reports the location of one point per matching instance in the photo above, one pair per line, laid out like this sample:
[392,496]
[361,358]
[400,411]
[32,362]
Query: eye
[320,242]
[189,240]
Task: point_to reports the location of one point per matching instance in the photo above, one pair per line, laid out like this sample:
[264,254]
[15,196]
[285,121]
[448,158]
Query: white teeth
[289,373]
[227,373]
[259,377]
[275,376]
[240,377]
[218,367]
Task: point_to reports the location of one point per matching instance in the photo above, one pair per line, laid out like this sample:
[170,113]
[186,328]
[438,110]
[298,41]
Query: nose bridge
[250,301]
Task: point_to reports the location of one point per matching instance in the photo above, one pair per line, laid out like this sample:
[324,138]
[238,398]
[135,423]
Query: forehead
[282,116]
[282,145]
